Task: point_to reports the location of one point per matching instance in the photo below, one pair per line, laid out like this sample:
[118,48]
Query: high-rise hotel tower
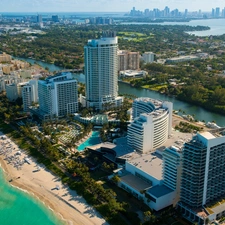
[57,96]
[203,177]
[101,71]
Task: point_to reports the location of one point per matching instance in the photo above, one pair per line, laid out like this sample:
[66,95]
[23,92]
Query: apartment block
[128,60]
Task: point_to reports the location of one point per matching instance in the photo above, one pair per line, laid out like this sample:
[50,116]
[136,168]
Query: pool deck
[87,141]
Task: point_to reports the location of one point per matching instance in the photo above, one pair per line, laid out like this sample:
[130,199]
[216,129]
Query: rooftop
[149,163]
[157,113]
[159,191]
[218,209]
[149,100]
[135,182]
[184,57]
[120,148]
[207,135]
[220,132]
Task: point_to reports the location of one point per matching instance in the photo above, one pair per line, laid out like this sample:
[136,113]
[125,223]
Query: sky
[105,5]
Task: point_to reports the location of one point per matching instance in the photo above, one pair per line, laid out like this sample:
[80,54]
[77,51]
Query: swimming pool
[93,140]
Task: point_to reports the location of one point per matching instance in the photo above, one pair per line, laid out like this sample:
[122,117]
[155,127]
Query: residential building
[29,94]
[101,67]
[58,96]
[20,88]
[11,92]
[5,57]
[128,60]
[9,79]
[26,96]
[148,57]
[203,177]
[14,90]
[171,165]
[39,18]
[34,90]
[150,130]
[55,18]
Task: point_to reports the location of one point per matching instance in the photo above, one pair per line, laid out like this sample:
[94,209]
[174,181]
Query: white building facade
[58,95]
[171,164]
[144,105]
[29,94]
[143,179]
[151,130]
[148,57]
[101,66]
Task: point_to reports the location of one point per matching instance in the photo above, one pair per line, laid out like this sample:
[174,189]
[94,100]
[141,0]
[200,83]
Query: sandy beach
[40,182]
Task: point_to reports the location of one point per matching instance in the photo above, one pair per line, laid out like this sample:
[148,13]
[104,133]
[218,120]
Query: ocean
[19,208]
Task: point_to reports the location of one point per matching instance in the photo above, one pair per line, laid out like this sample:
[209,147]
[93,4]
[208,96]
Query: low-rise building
[182,59]
[5,57]
[133,73]
[143,178]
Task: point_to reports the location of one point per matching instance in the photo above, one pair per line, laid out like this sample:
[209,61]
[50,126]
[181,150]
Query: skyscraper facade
[101,68]
[217,12]
[203,176]
[26,96]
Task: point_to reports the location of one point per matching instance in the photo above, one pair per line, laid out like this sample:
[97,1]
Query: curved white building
[144,105]
[149,131]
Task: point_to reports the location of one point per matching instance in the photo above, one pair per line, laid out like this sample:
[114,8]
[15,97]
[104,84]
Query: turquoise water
[18,208]
[93,140]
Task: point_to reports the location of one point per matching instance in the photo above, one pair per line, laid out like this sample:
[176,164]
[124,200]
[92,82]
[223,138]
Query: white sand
[64,202]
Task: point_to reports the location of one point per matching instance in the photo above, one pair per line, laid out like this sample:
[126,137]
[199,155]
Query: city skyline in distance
[105,5]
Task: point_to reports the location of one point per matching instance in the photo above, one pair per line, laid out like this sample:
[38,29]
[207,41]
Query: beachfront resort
[130,158]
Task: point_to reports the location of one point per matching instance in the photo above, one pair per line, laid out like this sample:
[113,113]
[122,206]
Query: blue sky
[104,5]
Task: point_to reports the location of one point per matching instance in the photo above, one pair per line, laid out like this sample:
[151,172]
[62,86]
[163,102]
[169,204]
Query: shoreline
[36,197]
[42,185]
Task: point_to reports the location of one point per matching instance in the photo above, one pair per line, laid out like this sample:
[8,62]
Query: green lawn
[131,34]
[154,87]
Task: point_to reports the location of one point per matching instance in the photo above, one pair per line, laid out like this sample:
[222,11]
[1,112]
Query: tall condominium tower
[29,94]
[58,96]
[101,66]
[203,177]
